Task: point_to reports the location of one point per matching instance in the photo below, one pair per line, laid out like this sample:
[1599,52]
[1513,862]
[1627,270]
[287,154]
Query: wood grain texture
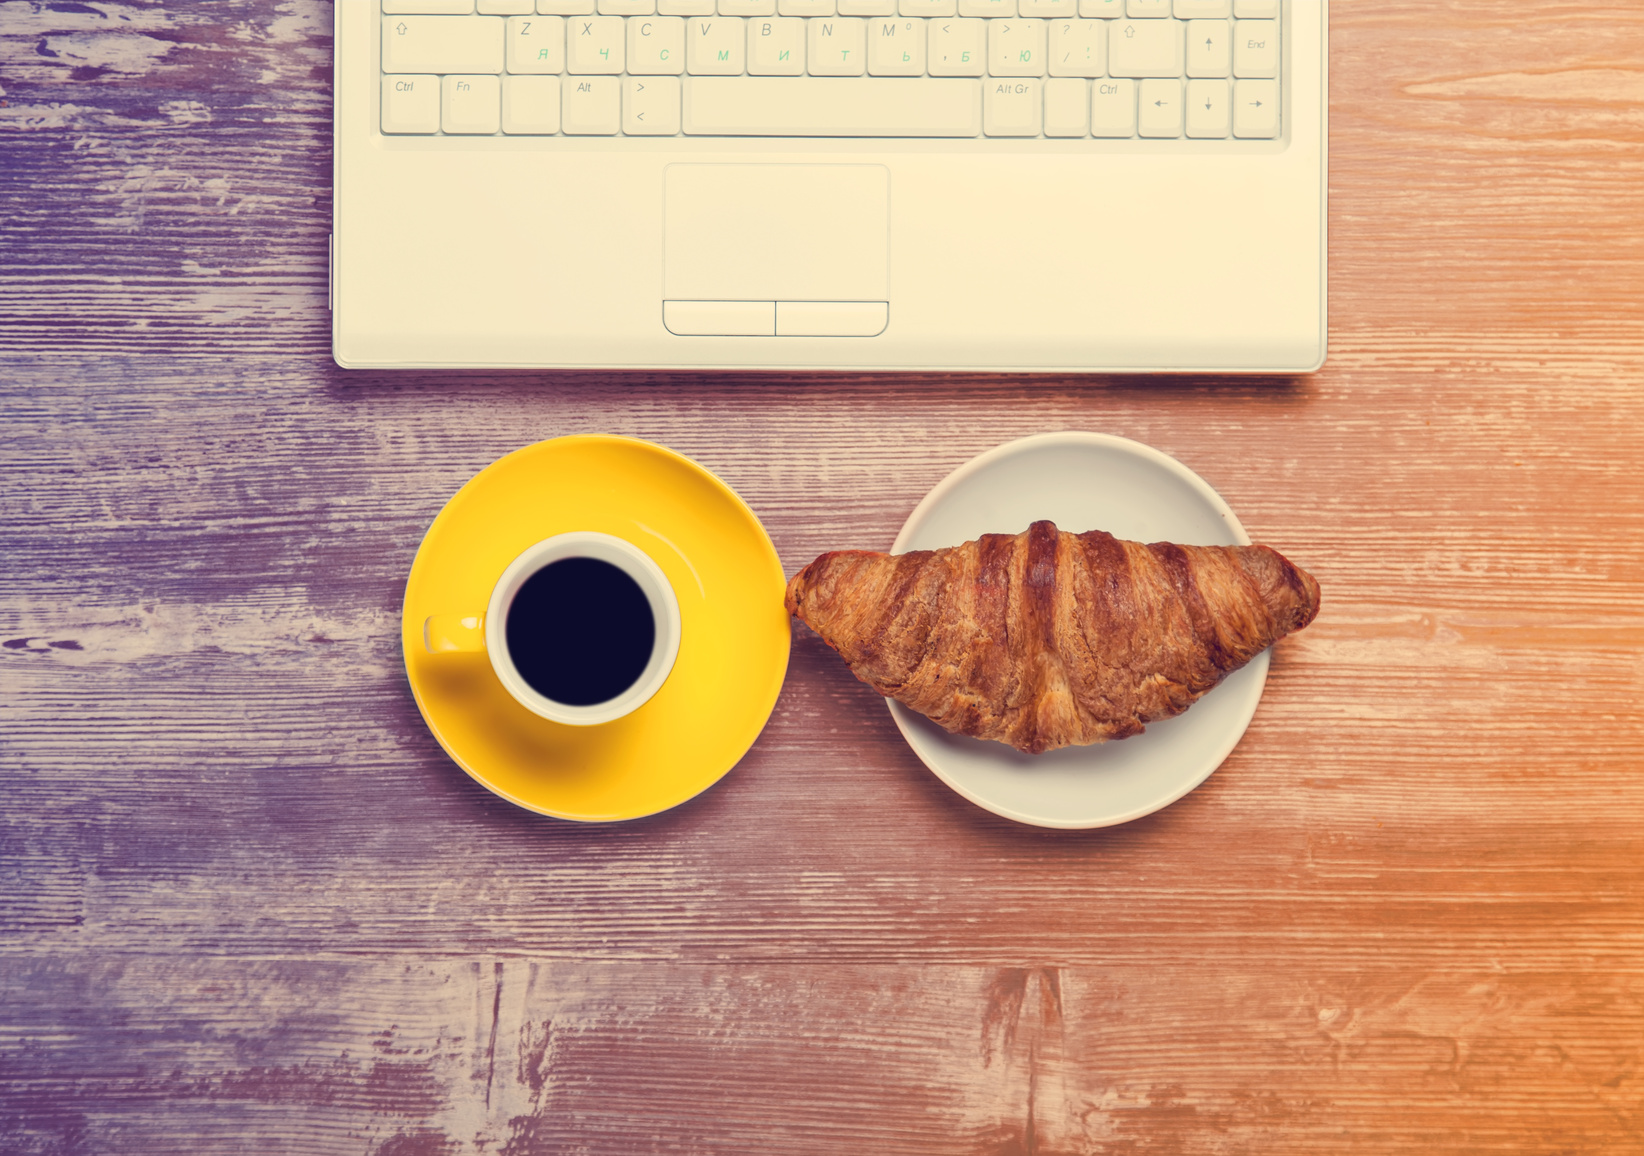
[246,903]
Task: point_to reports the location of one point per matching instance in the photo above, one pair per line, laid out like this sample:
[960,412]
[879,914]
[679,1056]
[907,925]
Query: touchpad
[776,233]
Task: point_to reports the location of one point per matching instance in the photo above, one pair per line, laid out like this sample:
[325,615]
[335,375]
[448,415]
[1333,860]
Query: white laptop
[831,184]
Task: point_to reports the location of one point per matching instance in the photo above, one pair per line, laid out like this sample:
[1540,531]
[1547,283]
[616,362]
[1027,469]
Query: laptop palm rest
[776,250]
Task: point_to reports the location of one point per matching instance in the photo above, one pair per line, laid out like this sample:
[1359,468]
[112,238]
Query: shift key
[442,44]
[1141,48]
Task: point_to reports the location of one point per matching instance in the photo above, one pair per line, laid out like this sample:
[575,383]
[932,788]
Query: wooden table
[249,905]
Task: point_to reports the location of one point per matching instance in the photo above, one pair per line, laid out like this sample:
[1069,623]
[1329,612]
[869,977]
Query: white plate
[1083,481]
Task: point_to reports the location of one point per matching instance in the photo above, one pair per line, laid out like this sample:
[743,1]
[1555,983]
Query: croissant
[1047,639]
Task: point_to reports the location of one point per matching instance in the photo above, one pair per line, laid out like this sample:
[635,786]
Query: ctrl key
[411,104]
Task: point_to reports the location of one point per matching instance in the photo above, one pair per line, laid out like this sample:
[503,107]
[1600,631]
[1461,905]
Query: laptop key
[837,47]
[1016,47]
[1208,48]
[650,105]
[1145,48]
[1078,48]
[896,47]
[1207,109]
[530,104]
[411,104]
[1159,105]
[1256,48]
[656,47]
[1255,109]
[957,47]
[1011,107]
[1113,108]
[594,45]
[776,47]
[429,7]
[591,105]
[717,47]
[1067,107]
[444,44]
[471,104]
[831,106]
[536,44]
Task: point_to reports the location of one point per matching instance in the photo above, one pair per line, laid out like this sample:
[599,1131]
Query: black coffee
[580,631]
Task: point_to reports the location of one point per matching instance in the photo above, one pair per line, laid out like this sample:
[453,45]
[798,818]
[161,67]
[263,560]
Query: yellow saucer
[733,650]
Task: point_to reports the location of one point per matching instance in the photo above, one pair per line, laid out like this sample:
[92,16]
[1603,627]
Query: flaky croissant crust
[1047,639]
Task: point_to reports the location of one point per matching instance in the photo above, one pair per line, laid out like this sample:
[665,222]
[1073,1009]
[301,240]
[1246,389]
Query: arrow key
[1209,52]
[1160,106]
[1207,111]
[650,105]
[1255,109]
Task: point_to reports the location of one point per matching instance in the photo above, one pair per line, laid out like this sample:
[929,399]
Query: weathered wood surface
[247,904]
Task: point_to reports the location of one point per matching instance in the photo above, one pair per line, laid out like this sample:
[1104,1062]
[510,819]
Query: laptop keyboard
[1045,69]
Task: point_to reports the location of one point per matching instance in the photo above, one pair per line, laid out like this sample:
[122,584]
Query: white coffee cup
[488,632]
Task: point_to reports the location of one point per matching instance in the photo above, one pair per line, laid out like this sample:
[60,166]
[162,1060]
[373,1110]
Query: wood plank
[529,1055]
[249,641]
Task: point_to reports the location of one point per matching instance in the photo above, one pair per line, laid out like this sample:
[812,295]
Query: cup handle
[454,633]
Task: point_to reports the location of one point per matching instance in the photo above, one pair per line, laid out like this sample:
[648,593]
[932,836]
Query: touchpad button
[773,232]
